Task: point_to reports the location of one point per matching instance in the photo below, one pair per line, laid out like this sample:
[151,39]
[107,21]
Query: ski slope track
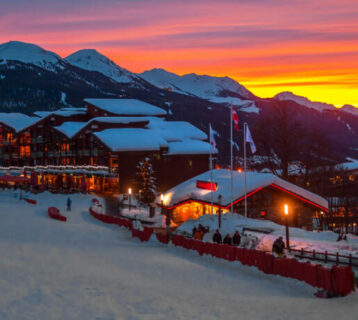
[84,269]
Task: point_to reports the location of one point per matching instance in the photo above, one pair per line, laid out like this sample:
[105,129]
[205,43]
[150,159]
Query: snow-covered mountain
[92,60]
[214,89]
[350,109]
[30,54]
[303,101]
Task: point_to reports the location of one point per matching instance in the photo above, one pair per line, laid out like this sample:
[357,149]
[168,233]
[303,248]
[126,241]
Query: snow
[299,238]
[303,101]
[63,98]
[350,109]
[188,190]
[189,147]
[84,269]
[243,105]
[131,139]
[92,60]
[70,128]
[65,112]
[28,53]
[17,121]
[202,86]
[128,107]
[177,130]
[125,120]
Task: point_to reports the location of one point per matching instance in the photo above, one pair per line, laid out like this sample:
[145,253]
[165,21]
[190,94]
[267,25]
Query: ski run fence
[338,280]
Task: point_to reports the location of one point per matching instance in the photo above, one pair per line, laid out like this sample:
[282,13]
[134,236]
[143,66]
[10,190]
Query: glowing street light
[287,230]
[129,198]
[162,199]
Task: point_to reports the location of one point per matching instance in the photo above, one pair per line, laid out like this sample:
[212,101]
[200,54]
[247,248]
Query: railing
[327,257]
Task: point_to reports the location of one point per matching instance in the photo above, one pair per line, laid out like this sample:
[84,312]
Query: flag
[235,119]
[212,138]
[250,140]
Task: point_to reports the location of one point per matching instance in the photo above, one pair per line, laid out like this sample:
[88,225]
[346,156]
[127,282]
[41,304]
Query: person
[217,237]
[236,238]
[69,202]
[203,229]
[278,246]
[193,232]
[228,240]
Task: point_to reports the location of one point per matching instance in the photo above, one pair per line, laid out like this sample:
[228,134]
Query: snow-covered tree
[146,181]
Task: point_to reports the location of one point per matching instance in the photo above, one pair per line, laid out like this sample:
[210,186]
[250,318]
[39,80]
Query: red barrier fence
[54,213]
[30,201]
[337,280]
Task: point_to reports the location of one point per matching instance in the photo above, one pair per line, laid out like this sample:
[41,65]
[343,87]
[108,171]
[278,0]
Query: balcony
[50,154]
[33,154]
[86,153]
[40,154]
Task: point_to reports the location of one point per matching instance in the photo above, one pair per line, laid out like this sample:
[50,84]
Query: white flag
[250,140]
[212,138]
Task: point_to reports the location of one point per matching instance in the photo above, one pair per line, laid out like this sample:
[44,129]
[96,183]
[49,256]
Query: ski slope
[84,269]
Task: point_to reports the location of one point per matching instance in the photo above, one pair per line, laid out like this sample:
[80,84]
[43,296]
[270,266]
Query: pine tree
[146,181]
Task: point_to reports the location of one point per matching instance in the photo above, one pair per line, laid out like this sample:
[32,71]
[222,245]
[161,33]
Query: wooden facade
[44,144]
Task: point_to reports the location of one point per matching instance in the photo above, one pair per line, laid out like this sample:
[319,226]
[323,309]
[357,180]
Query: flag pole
[245,186]
[211,171]
[231,155]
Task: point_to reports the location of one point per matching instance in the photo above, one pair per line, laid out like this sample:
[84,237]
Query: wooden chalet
[114,134]
[266,196]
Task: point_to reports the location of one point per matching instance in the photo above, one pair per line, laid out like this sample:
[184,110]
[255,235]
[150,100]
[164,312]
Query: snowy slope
[92,60]
[28,53]
[202,86]
[319,106]
[350,109]
[84,269]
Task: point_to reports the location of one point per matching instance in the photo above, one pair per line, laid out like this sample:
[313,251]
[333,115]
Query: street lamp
[287,230]
[219,215]
[129,198]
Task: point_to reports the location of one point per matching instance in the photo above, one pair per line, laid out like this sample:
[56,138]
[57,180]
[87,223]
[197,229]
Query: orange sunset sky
[307,47]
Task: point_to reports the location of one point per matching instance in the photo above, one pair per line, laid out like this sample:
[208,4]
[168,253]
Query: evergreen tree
[146,181]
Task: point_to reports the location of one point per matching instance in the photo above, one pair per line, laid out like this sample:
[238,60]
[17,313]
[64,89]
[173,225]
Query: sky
[309,47]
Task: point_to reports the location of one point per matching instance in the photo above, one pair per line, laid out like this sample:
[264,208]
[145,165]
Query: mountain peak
[92,60]
[319,106]
[27,53]
[202,86]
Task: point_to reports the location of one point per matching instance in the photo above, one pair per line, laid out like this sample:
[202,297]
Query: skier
[236,239]
[217,237]
[69,202]
[278,247]
[228,240]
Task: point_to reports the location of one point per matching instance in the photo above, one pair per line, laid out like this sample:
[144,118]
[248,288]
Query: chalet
[266,196]
[98,147]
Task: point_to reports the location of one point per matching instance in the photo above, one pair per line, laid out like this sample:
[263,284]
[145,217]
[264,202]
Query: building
[98,147]
[266,196]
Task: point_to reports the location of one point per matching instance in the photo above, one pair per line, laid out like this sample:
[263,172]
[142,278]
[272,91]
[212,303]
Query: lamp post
[129,198]
[287,230]
[219,215]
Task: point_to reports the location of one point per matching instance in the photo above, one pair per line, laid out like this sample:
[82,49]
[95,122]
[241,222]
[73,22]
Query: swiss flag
[235,119]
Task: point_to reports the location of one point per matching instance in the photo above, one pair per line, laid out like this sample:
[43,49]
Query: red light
[263,213]
[206,185]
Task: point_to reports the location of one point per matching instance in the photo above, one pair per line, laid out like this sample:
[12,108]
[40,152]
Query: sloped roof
[70,128]
[188,190]
[131,139]
[128,107]
[17,121]
[189,147]
[177,130]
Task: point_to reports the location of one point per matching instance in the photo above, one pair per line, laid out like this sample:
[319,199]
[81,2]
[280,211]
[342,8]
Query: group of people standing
[231,241]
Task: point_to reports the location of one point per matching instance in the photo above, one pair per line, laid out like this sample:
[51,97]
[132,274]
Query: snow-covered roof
[70,128]
[188,189]
[66,112]
[177,130]
[129,107]
[17,121]
[131,139]
[189,147]
[126,120]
